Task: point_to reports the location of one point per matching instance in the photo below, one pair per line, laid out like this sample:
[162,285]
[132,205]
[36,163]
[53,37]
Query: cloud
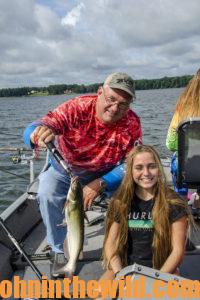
[154,23]
[57,41]
[73,16]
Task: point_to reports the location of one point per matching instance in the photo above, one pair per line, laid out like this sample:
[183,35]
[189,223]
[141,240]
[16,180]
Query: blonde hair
[120,207]
[188,104]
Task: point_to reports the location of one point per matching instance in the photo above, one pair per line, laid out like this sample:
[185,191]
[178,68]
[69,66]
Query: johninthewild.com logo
[78,288]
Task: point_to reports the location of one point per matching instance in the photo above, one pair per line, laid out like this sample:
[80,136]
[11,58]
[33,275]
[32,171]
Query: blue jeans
[52,192]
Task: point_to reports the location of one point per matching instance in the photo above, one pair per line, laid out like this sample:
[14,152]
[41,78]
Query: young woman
[146,221]
[188,106]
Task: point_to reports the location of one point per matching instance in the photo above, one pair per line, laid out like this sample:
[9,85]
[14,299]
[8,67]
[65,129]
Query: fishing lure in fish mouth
[74,217]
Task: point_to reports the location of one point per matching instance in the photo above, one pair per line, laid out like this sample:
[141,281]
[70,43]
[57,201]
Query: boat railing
[26,156]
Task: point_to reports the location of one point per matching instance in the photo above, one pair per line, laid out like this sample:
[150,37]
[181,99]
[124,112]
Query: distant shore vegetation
[59,89]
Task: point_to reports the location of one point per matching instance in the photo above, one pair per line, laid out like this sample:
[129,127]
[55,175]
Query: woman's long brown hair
[188,104]
[120,206]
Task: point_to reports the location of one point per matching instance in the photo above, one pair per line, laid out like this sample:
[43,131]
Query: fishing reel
[21,157]
[24,159]
[16,159]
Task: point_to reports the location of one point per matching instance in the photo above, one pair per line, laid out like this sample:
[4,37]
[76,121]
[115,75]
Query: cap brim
[119,87]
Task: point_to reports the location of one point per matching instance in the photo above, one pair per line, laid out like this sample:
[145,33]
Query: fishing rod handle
[3,225]
[52,148]
[12,238]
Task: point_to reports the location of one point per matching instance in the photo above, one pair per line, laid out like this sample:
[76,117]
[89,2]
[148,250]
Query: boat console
[189,154]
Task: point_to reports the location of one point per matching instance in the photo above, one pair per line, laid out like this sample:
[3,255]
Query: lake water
[155,108]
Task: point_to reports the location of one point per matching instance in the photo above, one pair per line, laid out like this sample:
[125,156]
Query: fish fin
[63,272]
[66,249]
[69,275]
[86,217]
[63,224]
[65,205]
[68,245]
[81,256]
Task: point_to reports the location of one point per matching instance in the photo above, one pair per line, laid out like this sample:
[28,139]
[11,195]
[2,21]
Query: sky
[45,42]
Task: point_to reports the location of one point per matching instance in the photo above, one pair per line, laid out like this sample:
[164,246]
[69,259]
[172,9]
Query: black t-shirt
[141,230]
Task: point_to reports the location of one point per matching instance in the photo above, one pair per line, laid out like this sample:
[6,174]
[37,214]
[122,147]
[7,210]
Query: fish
[74,217]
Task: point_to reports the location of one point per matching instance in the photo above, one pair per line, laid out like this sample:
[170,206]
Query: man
[93,133]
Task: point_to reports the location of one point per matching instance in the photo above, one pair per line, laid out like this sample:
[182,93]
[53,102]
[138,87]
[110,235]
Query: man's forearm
[27,133]
[113,178]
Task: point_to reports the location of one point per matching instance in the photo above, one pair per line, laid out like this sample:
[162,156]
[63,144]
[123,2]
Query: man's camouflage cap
[121,81]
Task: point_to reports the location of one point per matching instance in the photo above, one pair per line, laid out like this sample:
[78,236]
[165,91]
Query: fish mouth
[74,179]
[74,182]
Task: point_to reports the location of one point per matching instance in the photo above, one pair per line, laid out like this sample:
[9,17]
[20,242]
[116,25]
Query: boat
[25,229]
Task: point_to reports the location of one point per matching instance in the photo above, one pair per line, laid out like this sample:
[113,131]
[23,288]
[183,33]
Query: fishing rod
[12,134]
[19,248]
[52,148]
[11,173]
[9,149]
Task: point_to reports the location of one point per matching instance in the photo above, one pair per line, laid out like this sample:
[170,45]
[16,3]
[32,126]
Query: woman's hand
[179,229]
[111,245]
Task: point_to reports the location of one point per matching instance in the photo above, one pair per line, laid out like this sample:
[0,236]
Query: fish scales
[74,215]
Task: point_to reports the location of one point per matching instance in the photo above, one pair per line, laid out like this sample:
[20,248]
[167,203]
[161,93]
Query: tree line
[58,89]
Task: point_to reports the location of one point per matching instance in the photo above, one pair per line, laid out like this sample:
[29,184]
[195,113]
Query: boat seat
[189,154]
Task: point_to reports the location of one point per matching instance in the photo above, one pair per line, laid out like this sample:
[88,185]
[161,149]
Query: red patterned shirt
[84,141]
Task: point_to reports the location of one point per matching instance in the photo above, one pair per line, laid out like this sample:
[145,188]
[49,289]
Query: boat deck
[92,251]
[90,267]
[24,220]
